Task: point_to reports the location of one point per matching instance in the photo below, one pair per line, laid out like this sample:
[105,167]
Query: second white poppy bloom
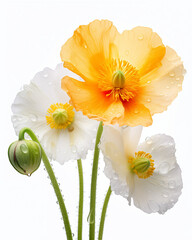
[44,107]
[147,173]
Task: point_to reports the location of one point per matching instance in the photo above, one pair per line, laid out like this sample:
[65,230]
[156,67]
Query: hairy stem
[53,181]
[94,184]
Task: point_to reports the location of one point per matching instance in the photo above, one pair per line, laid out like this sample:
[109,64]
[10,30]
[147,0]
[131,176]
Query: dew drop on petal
[172,74]
[73,149]
[118,115]
[127,52]
[179,85]
[148,82]
[14,119]
[140,37]
[165,194]
[24,148]
[167,87]
[45,75]
[136,111]
[148,100]
[148,140]
[171,184]
[33,117]
[153,206]
[177,78]
[163,168]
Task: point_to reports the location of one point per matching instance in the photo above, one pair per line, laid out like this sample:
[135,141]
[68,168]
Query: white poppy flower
[148,173]
[44,107]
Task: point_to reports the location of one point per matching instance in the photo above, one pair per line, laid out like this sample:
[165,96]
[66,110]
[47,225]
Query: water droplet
[172,74]
[148,82]
[165,194]
[24,148]
[179,85]
[148,140]
[118,115]
[29,175]
[153,206]
[90,217]
[140,37]
[45,75]
[136,111]
[167,87]
[70,128]
[73,149]
[164,168]
[161,94]
[172,184]
[177,78]
[148,100]
[33,117]
[73,234]
[57,202]
[171,144]
[85,46]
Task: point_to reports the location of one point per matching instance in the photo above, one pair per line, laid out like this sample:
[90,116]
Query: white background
[32,35]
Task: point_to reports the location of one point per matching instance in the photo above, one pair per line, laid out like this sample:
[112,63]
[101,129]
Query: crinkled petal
[141,47]
[135,114]
[88,48]
[162,85]
[162,149]
[159,192]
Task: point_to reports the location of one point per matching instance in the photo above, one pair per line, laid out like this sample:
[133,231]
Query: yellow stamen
[142,164]
[124,82]
[60,116]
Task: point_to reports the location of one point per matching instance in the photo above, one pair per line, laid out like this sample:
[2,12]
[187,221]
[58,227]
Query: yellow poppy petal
[88,48]
[92,102]
[141,47]
[162,85]
[136,114]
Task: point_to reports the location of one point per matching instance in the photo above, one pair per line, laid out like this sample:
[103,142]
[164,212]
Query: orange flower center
[119,79]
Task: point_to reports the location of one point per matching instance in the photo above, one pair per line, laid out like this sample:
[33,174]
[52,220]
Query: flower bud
[25,156]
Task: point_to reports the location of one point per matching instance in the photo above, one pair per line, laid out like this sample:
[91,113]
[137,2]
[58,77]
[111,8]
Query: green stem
[80,217]
[94,184]
[53,181]
[103,214]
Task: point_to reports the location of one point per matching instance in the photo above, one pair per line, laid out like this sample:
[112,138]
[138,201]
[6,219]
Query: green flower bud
[25,156]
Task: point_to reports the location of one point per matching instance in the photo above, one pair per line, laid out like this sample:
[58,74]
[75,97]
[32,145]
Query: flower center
[142,164]
[60,116]
[119,79]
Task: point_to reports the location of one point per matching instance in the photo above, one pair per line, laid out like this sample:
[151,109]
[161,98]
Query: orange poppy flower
[126,78]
